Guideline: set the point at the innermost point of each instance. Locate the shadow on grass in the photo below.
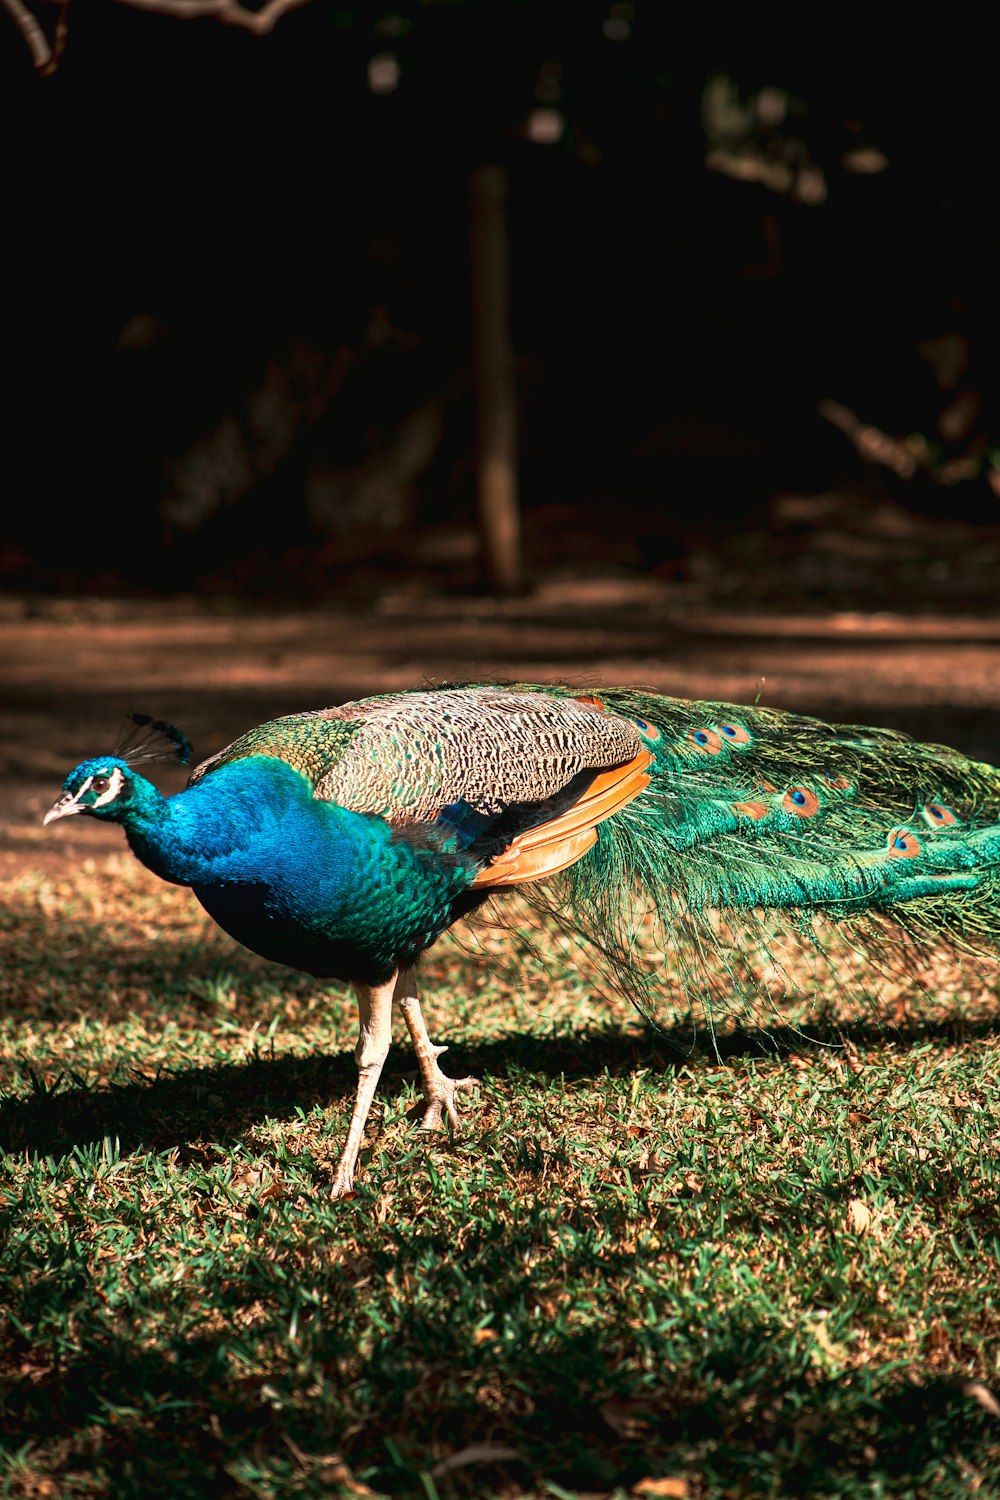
(220, 1103)
(59, 966)
(586, 1408)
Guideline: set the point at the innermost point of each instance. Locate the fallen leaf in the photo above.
(338, 1473)
(477, 1453)
(672, 1486)
(858, 1217)
(937, 1343)
(976, 1391)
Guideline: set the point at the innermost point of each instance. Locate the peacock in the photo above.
(344, 841)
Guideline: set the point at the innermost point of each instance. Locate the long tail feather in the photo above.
(763, 834)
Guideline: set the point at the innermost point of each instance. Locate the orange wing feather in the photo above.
(555, 845)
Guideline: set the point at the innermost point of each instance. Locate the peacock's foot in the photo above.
(439, 1096)
(343, 1180)
(439, 1091)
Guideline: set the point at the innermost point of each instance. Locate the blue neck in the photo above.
(301, 881)
(256, 816)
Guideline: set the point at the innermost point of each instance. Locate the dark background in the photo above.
(236, 315)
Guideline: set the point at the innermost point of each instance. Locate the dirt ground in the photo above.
(71, 669)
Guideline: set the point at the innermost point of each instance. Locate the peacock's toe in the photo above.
(439, 1102)
(342, 1185)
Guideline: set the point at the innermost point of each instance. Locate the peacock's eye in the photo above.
(100, 784)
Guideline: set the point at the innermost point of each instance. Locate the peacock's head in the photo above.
(102, 787)
(107, 786)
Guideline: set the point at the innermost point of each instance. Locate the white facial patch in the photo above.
(115, 780)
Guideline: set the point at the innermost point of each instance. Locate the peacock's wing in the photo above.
(487, 747)
(311, 742)
(530, 841)
(409, 756)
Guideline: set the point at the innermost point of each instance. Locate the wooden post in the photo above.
(493, 363)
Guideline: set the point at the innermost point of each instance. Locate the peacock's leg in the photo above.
(439, 1090)
(375, 1011)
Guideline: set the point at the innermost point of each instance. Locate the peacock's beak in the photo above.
(62, 807)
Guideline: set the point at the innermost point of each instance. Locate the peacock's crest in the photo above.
(144, 740)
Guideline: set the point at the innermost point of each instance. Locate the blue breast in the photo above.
(308, 883)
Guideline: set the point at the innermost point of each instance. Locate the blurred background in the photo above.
(749, 285)
(464, 339)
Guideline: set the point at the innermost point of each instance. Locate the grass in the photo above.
(639, 1269)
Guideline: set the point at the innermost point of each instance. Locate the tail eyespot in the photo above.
(937, 815)
(801, 802)
(706, 741)
(837, 783)
(903, 844)
(735, 734)
(647, 730)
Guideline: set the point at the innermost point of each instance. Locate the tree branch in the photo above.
(34, 36)
(45, 54)
(229, 12)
